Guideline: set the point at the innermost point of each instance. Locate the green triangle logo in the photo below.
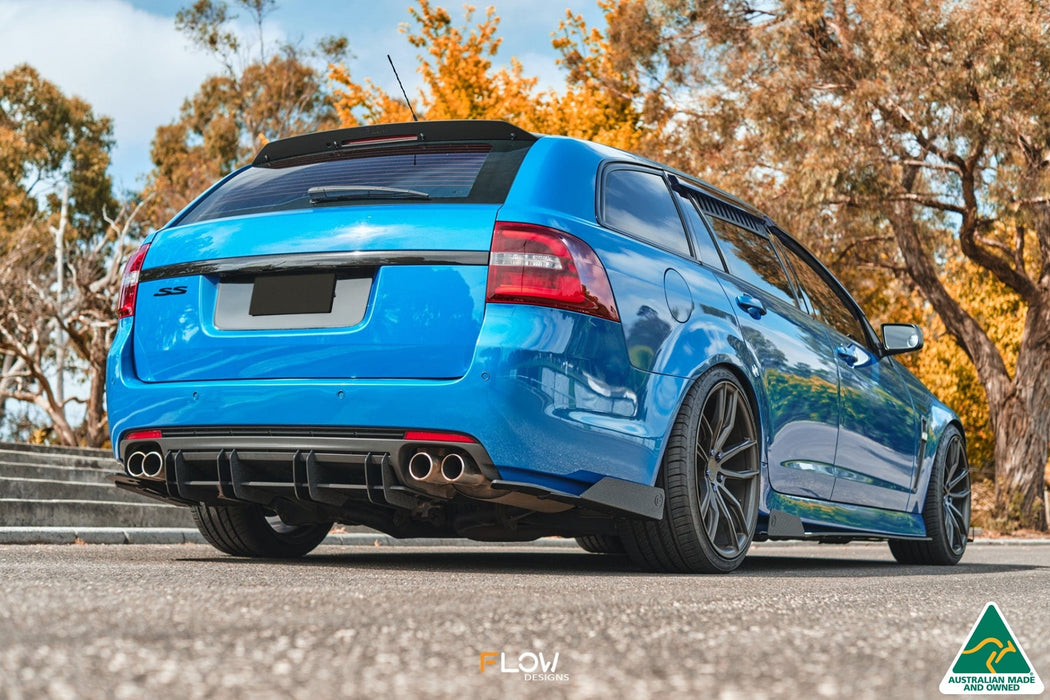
(991, 661)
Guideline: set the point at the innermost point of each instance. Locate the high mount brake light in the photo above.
(129, 283)
(531, 264)
(379, 141)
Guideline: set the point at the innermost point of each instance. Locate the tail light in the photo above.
(129, 283)
(537, 265)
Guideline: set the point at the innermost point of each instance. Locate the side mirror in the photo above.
(901, 337)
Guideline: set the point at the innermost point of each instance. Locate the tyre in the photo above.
(601, 544)
(711, 478)
(946, 510)
(254, 531)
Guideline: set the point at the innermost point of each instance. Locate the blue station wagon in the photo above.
(463, 329)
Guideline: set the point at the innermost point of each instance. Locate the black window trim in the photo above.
(599, 207)
(801, 298)
(684, 198)
(710, 202)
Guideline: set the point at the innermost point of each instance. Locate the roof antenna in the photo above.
(409, 103)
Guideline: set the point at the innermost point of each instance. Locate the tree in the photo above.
(896, 137)
(277, 92)
(29, 313)
(51, 144)
(48, 140)
(460, 82)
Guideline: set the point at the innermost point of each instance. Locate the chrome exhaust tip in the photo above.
(152, 464)
(461, 471)
(422, 467)
(453, 467)
(136, 460)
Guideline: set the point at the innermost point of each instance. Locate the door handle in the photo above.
(846, 354)
(754, 307)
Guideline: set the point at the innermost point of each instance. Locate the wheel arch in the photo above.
(942, 419)
(755, 394)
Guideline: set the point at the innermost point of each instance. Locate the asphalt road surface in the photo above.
(798, 621)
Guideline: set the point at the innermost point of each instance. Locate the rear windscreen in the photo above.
(451, 172)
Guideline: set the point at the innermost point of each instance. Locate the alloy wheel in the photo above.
(727, 464)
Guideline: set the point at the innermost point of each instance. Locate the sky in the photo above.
(125, 58)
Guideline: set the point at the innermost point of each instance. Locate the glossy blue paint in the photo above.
(535, 395)
(676, 294)
(800, 385)
(821, 517)
(878, 435)
(406, 332)
(557, 398)
(355, 227)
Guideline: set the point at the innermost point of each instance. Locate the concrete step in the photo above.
(98, 460)
(82, 513)
(56, 450)
(27, 470)
(53, 490)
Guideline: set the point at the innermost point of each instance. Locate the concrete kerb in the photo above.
(99, 535)
(165, 535)
(170, 535)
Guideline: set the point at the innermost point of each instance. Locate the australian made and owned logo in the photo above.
(991, 661)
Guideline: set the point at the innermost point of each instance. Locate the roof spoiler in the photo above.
(389, 134)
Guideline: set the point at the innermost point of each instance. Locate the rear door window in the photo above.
(638, 203)
(705, 242)
(750, 257)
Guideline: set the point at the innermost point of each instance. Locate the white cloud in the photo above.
(132, 65)
(128, 64)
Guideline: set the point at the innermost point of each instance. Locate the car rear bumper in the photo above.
(543, 411)
(329, 473)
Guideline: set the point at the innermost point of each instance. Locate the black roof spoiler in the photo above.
(390, 134)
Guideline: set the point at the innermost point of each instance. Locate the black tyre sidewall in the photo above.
(601, 544)
(937, 550)
(242, 530)
(940, 550)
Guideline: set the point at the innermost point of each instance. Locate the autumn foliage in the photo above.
(905, 142)
(460, 82)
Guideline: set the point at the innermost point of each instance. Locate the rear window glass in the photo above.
(638, 202)
(451, 172)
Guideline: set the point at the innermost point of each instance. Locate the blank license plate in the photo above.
(292, 294)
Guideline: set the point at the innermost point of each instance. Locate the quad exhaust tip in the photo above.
(422, 467)
(459, 470)
(453, 469)
(152, 464)
(147, 464)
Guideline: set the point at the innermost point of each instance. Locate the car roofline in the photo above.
(377, 135)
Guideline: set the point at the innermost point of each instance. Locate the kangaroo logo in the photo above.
(997, 654)
(991, 661)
